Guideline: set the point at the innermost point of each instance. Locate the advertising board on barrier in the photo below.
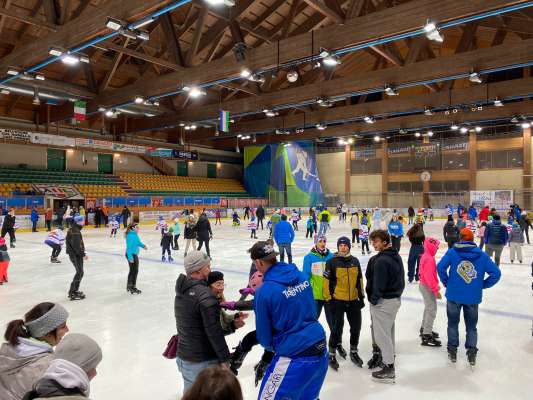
(15, 135)
(129, 148)
(58, 191)
(94, 143)
(159, 152)
(499, 199)
(24, 221)
(187, 155)
(55, 140)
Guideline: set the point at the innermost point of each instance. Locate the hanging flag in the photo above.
(224, 121)
(80, 110)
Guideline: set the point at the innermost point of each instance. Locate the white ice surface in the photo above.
(133, 330)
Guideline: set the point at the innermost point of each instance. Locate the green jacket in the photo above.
(313, 269)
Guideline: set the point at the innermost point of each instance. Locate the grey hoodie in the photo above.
(62, 379)
(21, 366)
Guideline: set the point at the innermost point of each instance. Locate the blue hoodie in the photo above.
(462, 272)
(133, 243)
(284, 233)
(34, 215)
(472, 213)
(396, 228)
(285, 312)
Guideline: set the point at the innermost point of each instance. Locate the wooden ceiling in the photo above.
(194, 44)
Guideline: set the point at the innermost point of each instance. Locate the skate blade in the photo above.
(389, 381)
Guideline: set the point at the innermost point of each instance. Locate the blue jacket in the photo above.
(133, 243)
(396, 228)
(462, 272)
(472, 212)
(285, 312)
(284, 233)
(34, 216)
(496, 233)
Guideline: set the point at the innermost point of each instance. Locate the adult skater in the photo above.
(284, 236)
(56, 240)
(462, 272)
(395, 229)
(201, 338)
(496, 237)
(356, 226)
(298, 340)
(60, 213)
(313, 268)
(34, 216)
(48, 216)
(416, 237)
(450, 231)
(125, 215)
(246, 213)
(260, 213)
(133, 244)
(8, 227)
(76, 253)
(472, 212)
(176, 232)
(324, 218)
(189, 233)
(385, 283)
(29, 346)
(343, 291)
(411, 214)
(525, 224)
(218, 221)
(204, 233)
(484, 214)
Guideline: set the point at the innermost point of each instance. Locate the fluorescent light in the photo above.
(246, 73)
(525, 124)
(369, 120)
(55, 51)
(85, 59)
(187, 127)
(390, 91)
(430, 133)
(149, 115)
(455, 127)
(377, 138)
(464, 129)
(320, 127)
(227, 3)
(474, 77)
(114, 24)
(331, 61)
(428, 111)
(12, 72)
(142, 35)
(70, 59)
(479, 128)
(196, 92)
(270, 113)
(417, 134)
(109, 113)
(193, 127)
(4, 91)
(40, 77)
(141, 23)
(498, 103)
(139, 100)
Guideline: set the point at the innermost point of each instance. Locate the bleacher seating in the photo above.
(101, 191)
(7, 189)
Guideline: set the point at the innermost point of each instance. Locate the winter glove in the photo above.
(246, 291)
(228, 305)
(362, 302)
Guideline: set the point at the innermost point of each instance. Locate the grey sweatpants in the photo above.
(494, 250)
(383, 316)
(430, 309)
(516, 250)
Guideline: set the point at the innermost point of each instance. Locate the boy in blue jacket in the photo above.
(462, 272)
(284, 236)
(286, 324)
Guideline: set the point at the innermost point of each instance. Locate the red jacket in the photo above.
(484, 214)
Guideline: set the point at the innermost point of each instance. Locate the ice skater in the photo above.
(133, 244)
(114, 227)
(364, 233)
(56, 240)
(252, 226)
(76, 252)
(176, 231)
(236, 221)
(8, 227)
(190, 233)
(161, 224)
(295, 217)
(166, 243)
(4, 261)
(310, 227)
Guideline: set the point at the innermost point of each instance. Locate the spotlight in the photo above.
(196, 92)
(193, 127)
(454, 127)
(428, 111)
(433, 33)
(390, 91)
(369, 120)
(498, 103)
(478, 128)
(270, 113)
(430, 133)
(350, 141)
(39, 77)
(430, 26)
(377, 138)
(341, 142)
(139, 100)
(292, 76)
(464, 129)
(114, 24)
(525, 125)
(320, 126)
(246, 73)
(328, 58)
(474, 77)
(417, 134)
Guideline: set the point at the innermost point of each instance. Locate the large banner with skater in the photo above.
(286, 173)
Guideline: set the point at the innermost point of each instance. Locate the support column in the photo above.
(472, 160)
(526, 179)
(425, 184)
(347, 173)
(385, 174)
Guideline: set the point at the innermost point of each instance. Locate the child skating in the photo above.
(114, 227)
(236, 221)
(429, 288)
(295, 217)
(76, 252)
(176, 231)
(310, 227)
(56, 240)
(166, 243)
(161, 225)
(364, 233)
(4, 261)
(252, 226)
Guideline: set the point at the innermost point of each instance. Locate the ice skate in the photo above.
(452, 354)
(170, 259)
(354, 356)
(260, 369)
(434, 334)
(333, 363)
(430, 341)
(341, 351)
(376, 359)
(134, 290)
(76, 296)
(237, 358)
(387, 374)
(471, 356)
(163, 259)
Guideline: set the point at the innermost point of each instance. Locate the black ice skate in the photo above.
(76, 296)
(333, 363)
(237, 358)
(452, 354)
(471, 355)
(354, 356)
(170, 259)
(376, 360)
(260, 369)
(386, 374)
(134, 290)
(430, 341)
(163, 259)
(342, 351)
(434, 334)
(54, 260)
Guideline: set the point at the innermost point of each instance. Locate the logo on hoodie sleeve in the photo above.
(467, 271)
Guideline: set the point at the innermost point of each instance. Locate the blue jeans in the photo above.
(294, 378)
(323, 228)
(414, 261)
(190, 370)
(470, 313)
(285, 247)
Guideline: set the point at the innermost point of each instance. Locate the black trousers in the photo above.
(253, 234)
(113, 232)
(56, 250)
(451, 243)
(338, 309)
(77, 261)
(355, 235)
(322, 304)
(48, 225)
(396, 242)
(249, 341)
(526, 231)
(34, 226)
(165, 248)
(125, 222)
(201, 242)
(295, 225)
(176, 244)
(11, 233)
(59, 221)
(364, 244)
(134, 271)
(309, 232)
(260, 221)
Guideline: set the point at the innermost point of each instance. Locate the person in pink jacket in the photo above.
(429, 287)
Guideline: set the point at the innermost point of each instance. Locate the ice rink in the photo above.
(133, 330)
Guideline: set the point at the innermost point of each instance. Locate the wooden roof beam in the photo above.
(325, 10)
(19, 16)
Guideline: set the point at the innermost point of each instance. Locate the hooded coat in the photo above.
(203, 228)
(21, 366)
(385, 276)
(285, 312)
(462, 271)
(428, 265)
(313, 269)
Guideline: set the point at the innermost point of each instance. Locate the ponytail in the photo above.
(15, 329)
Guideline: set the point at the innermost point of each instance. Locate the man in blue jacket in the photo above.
(472, 212)
(496, 237)
(462, 272)
(286, 324)
(34, 218)
(284, 236)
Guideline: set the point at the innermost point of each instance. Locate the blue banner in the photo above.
(144, 201)
(178, 201)
(168, 201)
(189, 201)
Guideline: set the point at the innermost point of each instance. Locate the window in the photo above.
(401, 164)
(404, 187)
(366, 166)
(448, 186)
(500, 159)
(455, 160)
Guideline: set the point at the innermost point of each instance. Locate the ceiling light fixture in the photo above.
(114, 24)
(433, 33)
(478, 128)
(474, 77)
(428, 111)
(320, 126)
(430, 133)
(292, 76)
(455, 127)
(341, 142)
(227, 3)
(464, 129)
(246, 73)
(417, 134)
(369, 120)
(377, 138)
(4, 91)
(139, 100)
(196, 92)
(328, 58)
(390, 91)
(525, 124)
(498, 103)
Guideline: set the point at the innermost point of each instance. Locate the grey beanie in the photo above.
(48, 322)
(195, 261)
(79, 349)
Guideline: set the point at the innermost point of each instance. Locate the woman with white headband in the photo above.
(28, 351)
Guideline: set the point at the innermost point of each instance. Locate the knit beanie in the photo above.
(79, 349)
(344, 240)
(48, 322)
(214, 276)
(195, 261)
(320, 237)
(467, 235)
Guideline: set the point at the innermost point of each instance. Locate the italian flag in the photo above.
(224, 121)
(80, 110)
